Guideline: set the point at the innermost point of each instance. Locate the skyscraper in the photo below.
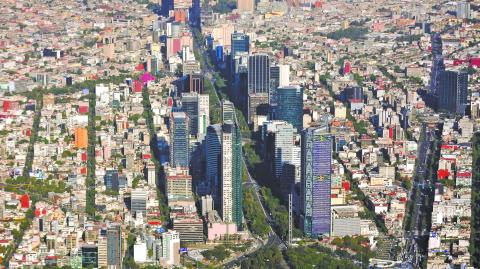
(258, 73)
(89, 256)
(170, 254)
(179, 140)
(213, 158)
(231, 171)
(240, 78)
(167, 5)
(190, 106)
(290, 106)
(138, 201)
(463, 10)
(284, 143)
(240, 43)
(114, 247)
(316, 181)
(203, 115)
(196, 83)
(195, 11)
(280, 75)
(246, 5)
(111, 181)
(453, 92)
(437, 63)
(228, 111)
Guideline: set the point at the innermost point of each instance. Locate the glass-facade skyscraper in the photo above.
(453, 92)
(213, 159)
(190, 106)
(258, 73)
(228, 111)
(179, 140)
(114, 246)
(231, 171)
(240, 43)
(290, 106)
(316, 181)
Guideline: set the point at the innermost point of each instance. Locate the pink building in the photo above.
(218, 230)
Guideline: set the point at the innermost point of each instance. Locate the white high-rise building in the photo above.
(227, 178)
(463, 10)
(170, 248)
(139, 201)
(284, 143)
(284, 75)
(203, 115)
(151, 175)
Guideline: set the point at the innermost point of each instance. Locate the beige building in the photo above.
(246, 5)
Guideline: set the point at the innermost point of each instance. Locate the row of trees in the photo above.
(90, 181)
(256, 220)
(265, 258)
(317, 256)
(475, 229)
(353, 33)
(147, 113)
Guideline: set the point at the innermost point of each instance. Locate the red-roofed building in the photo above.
(25, 201)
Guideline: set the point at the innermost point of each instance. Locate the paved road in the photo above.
(273, 238)
(418, 196)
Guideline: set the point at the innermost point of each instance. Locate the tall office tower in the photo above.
(179, 140)
(240, 78)
(111, 180)
(437, 65)
(151, 174)
(203, 115)
(246, 5)
(258, 73)
(290, 106)
(167, 5)
(284, 143)
(453, 92)
(280, 75)
(463, 10)
(114, 247)
(316, 181)
(240, 43)
(194, 16)
(89, 256)
(102, 251)
(196, 83)
(190, 106)
(231, 165)
(138, 201)
(170, 254)
(228, 111)
(213, 159)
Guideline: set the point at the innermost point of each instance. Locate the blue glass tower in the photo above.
(453, 92)
(240, 43)
(316, 181)
(290, 106)
(179, 140)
